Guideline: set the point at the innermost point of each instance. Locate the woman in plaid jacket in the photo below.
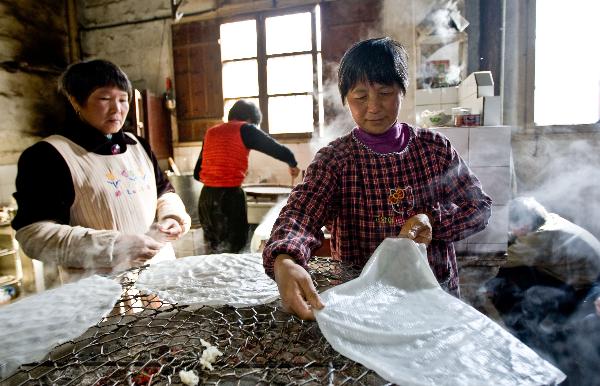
(383, 179)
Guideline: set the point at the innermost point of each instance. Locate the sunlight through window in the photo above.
(292, 86)
(287, 74)
(238, 40)
(567, 62)
(289, 33)
(290, 114)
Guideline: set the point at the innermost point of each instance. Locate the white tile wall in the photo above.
(489, 146)
(487, 152)
(495, 181)
(459, 138)
(185, 157)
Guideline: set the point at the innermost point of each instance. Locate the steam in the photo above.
(339, 121)
(568, 182)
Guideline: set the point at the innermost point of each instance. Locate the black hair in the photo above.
(526, 211)
(244, 110)
(379, 60)
(81, 79)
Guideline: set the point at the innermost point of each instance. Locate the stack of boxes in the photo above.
(475, 93)
(486, 149)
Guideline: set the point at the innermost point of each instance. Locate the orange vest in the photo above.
(224, 156)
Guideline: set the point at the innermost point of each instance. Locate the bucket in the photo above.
(189, 190)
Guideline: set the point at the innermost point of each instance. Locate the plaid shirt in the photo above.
(362, 197)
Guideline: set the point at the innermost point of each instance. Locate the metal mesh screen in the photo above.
(146, 341)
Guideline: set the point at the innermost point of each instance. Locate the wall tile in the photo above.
(495, 181)
(489, 146)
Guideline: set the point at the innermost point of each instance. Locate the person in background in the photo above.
(222, 166)
(94, 199)
(546, 287)
(551, 266)
(383, 179)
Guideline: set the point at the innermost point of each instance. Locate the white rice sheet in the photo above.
(31, 327)
(235, 279)
(396, 320)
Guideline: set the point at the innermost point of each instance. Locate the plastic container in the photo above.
(457, 115)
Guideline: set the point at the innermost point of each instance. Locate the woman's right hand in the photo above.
(298, 293)
(135, 250)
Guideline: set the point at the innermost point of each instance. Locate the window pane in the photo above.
(289, 33)
(289, 74)
(230, 102)
(318, 26)
(567, 67)
(291, 114)
(240, 79)
(238, 40)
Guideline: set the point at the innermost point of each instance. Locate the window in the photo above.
(275, 61)
(567, 63)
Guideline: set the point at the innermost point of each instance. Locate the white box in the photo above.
(477, 84)
(489, 107)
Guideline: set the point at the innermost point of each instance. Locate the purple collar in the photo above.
(394, 140)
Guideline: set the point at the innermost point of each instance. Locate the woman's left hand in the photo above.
(168, 229)
(417, 228)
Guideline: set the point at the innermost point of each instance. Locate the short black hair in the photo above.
(244, 110)
(378, 60)
(80, 79)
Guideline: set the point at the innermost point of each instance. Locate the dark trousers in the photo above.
(539, 310)
(224, 219)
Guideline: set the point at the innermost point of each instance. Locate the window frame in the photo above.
(262, 58)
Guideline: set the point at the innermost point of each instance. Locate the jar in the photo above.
(457, 115)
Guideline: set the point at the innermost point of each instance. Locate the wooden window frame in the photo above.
(262, 57)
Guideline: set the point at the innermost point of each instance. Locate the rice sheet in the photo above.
(396, 320)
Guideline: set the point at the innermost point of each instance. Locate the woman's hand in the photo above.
(134, 250)
(296, 288)
(417, 228)
(294, 171)
(168, 229)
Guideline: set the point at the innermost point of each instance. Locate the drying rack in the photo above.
(146, 341)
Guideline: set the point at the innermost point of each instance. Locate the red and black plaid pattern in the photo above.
(362, 197)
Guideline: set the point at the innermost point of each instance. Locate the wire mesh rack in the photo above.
(146, 341)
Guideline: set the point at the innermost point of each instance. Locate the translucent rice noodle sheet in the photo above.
(32, 326)
(396, 320)
(235, 279)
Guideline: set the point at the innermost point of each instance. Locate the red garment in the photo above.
(224, 155)
(363, 197)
